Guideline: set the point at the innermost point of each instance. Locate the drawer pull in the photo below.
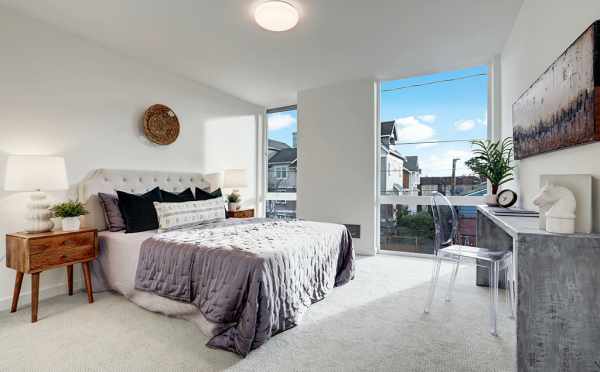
(68, 242)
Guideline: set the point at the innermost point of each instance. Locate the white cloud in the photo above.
(280, 121)
(411, 129)
(460, 154)
(440, 164)
(464, 125)
(427, 118)
(425, 145)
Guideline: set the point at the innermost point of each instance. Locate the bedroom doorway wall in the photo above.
(425, 127)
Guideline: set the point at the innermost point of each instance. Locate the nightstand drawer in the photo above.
(56, 256)
(245, 213)
(41, 245)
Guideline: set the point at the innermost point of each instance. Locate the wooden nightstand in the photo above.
(34, 253)
(246, 213)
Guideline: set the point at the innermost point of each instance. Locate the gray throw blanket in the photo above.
(253, 278)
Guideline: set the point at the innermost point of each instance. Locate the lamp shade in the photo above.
(35, 172)
(235, 178)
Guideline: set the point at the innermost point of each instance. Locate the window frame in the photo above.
(274, 196)
(279, 171)
(492, 132)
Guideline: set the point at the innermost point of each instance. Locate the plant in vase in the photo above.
(233, 201)
(492, 161)
(70, 212)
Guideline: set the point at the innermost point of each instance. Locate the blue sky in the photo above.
(282, 125)
(455, 110)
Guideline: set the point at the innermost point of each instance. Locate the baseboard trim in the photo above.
(45, 293)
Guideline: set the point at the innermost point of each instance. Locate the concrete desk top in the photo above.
(516, 226)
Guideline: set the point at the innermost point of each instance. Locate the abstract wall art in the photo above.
(562, 107)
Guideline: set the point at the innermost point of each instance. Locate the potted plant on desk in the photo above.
(492, 161)
(70, 213)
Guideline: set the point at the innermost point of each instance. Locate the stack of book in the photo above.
(515, 212)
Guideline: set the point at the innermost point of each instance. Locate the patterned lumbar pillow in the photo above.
(178, 215)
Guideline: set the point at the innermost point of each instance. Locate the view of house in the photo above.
(281, 178)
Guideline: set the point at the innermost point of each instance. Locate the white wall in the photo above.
(337, 127)
(542, 31)
(60, 94)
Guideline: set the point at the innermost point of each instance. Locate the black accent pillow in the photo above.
(204, 195)
(138, 210)
(184, 196)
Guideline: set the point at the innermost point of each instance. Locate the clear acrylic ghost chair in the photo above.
(445, 219)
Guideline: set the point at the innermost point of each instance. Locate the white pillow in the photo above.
(178, 215)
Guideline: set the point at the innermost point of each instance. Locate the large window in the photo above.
(428, 123)
(282, 163)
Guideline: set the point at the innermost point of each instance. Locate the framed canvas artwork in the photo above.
(562, 107)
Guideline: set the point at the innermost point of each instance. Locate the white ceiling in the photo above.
(216, 42)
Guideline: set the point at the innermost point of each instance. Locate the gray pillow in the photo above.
(112, 213)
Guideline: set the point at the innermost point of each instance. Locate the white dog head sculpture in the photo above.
(556, 201)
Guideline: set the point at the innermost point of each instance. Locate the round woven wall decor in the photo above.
(161, 125)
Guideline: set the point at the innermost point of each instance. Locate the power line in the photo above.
(421, 142)
(434, 82)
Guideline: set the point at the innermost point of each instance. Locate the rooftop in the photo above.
(286, 155)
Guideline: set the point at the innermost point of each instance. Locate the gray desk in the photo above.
(558, 292)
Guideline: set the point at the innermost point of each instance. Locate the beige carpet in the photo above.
(375, 323)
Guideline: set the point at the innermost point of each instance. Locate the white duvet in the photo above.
(115, 270)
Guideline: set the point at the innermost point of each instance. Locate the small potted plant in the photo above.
(234, 201)
(70, 213)
(492, 161)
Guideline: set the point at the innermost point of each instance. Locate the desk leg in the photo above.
(491, 237)
(35, 293)
(88, 281)
(17, 291)
(70, 279)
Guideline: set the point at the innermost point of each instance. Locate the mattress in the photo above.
(115, 270)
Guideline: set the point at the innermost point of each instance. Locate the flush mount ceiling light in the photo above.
(276, 16)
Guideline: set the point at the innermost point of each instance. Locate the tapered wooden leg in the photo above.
(35, 292)
(88, 281)
(70, 279)
(16, 292)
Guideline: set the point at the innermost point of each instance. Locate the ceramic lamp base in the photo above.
(38, 216)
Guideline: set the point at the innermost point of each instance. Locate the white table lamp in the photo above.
(235, 179)
(36, 173)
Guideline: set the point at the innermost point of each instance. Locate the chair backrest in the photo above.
(445, 220)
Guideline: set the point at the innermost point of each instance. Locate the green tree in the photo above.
(418, 224)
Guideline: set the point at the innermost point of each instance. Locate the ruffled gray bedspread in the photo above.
(253, 278)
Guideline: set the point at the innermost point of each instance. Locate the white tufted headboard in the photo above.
(133, 181)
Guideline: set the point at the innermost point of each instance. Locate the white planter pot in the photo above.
(232, 207)
(71, 223)
(492, 200)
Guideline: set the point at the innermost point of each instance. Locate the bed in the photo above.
(241, 281)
